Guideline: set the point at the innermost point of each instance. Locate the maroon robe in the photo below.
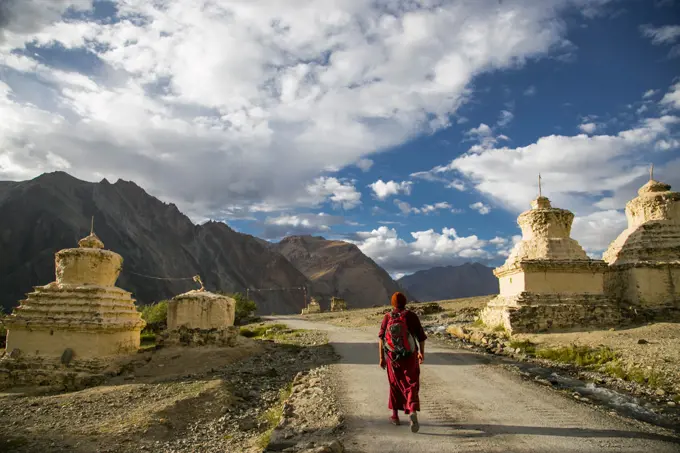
(404, 374)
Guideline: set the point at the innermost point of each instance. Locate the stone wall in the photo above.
(527, 313)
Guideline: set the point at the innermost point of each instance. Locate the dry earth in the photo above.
(181, 400)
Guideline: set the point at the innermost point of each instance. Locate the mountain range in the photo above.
(163, 250)
(451, 282)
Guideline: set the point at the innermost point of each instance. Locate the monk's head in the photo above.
(398, 300)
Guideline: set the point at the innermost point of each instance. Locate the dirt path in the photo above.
(470, 405)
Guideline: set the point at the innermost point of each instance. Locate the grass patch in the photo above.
(276, 332)
(273, 415)
(478, 323)
(634, 374)
(525, 346)
(578, 355)
(147, 339)
(263, 331)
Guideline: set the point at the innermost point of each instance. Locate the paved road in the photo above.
(469, 405)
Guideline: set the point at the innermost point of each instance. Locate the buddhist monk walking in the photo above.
(402, 357)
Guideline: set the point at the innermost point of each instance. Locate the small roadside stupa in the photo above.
(82, 313)
(548, 281)
(644, 260)
(201, 309)
(312, 307)
(199, 318)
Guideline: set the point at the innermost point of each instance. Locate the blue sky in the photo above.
(415, 129)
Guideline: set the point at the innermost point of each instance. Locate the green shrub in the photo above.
(156, 316)
(578, 355)
(526, 346)
(245, 308)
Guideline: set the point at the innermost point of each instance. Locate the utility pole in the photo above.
(304, 292)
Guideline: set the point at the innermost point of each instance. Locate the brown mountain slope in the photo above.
(340, 269)
(51, 212)
(451, 282)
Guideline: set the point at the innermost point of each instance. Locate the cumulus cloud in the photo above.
(574, 168)
(505, 117)
(595, 231)
(426, 209)
(591, 175)
(364, 164)
(588, 128)
(427, 249)
(299, 224)
(672, 98)
(339, 193)
(383, 190)
(242, 103)
(649, 93)
(666, 34)
(530, 91)
(481, 208)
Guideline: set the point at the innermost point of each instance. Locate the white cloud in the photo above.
(299, 224)
(666, 34)
(340, 193)
(595, 231)
(649, 93)
(456, 184)
(574, 168)
(588, 128)
(428, 249)
(481, 208)
(505, 117)
(484, 136)
(364, 164)
(383, 190)
(530, 91)
(240, 103)
(672, 97)
(594, 176)
(426, 209)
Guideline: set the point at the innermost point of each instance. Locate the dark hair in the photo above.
(398, 300)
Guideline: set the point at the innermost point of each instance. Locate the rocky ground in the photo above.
(190, 399)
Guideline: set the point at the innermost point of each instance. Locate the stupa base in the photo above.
(89, 344)
(529, 313)
(50, 375)
(183, 336)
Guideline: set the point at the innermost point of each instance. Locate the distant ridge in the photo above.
(338, 268)
(451, 282)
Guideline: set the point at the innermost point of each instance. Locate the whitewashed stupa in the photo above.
(81, 311)
(645, 259)
(548, 281)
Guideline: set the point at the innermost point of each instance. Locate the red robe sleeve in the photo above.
(383, 326)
